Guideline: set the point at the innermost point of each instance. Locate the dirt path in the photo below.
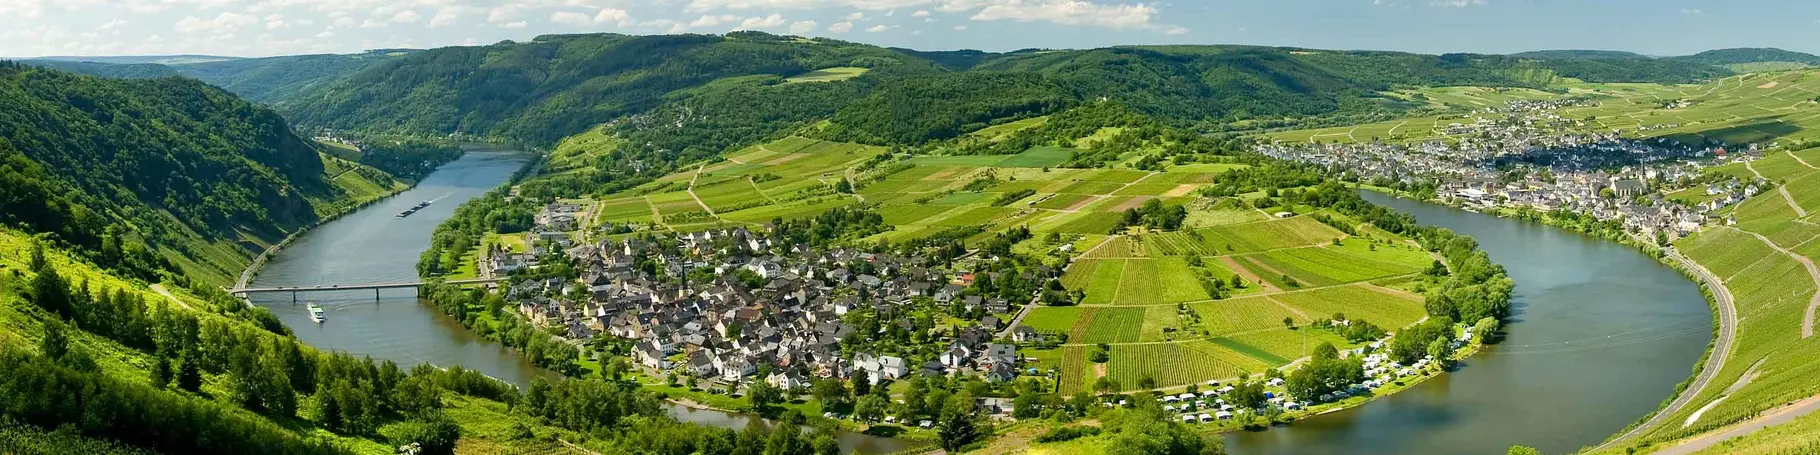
(1293, 310)
(656, 216)
(1801, 212)
(159, 288)
(1715, 361)
(1797, 158)
(1753, 170)
(1766, 420)
(704, 205)
(1248, 275)
(1813, 272)
(576, 448)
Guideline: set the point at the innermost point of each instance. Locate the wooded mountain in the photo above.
(264, 80)
(1722, 57)
(558, 85)
(152, 174)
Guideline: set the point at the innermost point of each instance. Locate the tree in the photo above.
(843, 186)
(54, 345)
(189, 373)
(51, 292)
(959, 425)
(1523, 450)
(861, 384)
(1288, 322)
(870, 408)
(830, 392)
(763, 394)
(1326, 351)
(161, 372)
(434, 435)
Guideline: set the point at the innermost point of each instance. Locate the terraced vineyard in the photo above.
(1143, 291)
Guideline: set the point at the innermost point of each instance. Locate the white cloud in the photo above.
(856, 16)
(920, 13)
(518, 24)
(343, 22)
(960, 27)
(1691, 11)
(802, 27)
(760, 23)
(113, 24)
(276, 25)
(447, 16)
(1456, 3)
(617, 17)
(1070, 12)
(406, 17)
(878, 28)
(326, 34)
(224, 23)
(698, 6)
(709, 20)
(570, 18)
(840, 27)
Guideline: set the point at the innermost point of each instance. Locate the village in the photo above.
(723, 305)
(1534, 161)
(723, 309)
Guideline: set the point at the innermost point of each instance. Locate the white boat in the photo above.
(316, 314)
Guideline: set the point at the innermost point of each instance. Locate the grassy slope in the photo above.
(21, 325)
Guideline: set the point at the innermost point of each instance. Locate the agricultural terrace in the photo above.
(1765, 261)
(1743, 109)
(1146, 297)
(1147, 294)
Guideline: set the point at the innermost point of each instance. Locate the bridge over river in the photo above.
(247, 291)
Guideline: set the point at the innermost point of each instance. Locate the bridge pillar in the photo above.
(375, 294)
(293, 297)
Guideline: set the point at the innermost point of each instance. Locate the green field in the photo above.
(1138, 287)
(828, 75)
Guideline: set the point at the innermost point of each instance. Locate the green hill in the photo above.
(275, 79)
(1746, 60)
(1581, 54)
(161, 174)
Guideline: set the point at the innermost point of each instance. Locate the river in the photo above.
(1600, 335)
(372, 245)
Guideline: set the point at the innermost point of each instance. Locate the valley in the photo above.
(761, 244)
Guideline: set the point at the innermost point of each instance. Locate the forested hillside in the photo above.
(1745, 56)
(160, 174)
(557, 85)
(274, 79)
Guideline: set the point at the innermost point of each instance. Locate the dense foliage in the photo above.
(277, 79)
(122, 167)
(410, 158)
(1722, 57)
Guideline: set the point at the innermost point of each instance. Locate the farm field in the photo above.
(828, 75)
(1141, 296)
(1743, 109)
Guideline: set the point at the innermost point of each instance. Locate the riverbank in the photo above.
(253, 268)
(1713, 289)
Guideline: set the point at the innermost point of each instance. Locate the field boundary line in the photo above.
(1813, 273)
(1791, 154)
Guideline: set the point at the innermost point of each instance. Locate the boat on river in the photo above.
(414, 209)
(316, 313)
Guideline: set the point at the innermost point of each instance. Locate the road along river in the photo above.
(1600, 335)
(373, 245)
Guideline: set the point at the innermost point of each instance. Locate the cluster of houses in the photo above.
(789, 321)
(1601, 174)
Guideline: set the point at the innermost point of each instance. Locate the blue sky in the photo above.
(282, 27)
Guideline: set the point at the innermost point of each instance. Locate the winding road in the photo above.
(1723, 344)
(1768, 419)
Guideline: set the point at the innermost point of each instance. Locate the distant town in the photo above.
(1536, 161)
